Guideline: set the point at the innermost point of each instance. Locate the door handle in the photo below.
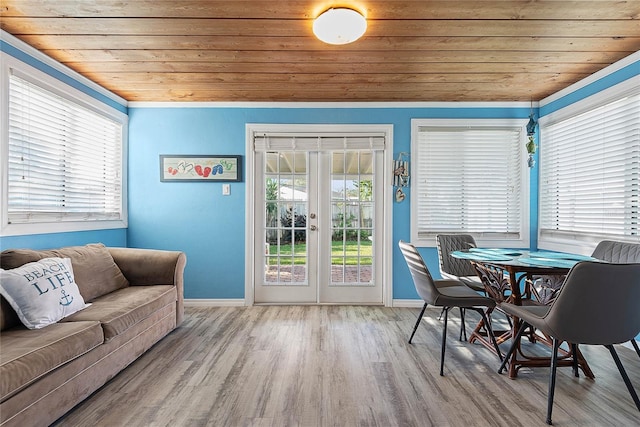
(313, 228)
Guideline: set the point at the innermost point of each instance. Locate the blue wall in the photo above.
(209, 227)
(197, 219)
(116, 237)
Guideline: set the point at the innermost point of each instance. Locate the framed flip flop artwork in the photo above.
(200, 168)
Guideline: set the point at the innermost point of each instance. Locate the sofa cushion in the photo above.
(41, 292)
(28, 354)
(121, 309)
(95, 271)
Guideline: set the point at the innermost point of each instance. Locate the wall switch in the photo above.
(226, 189)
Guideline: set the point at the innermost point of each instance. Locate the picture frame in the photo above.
(200, 168)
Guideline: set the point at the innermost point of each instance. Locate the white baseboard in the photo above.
(409, 303)
(228, 302)
(223, 302)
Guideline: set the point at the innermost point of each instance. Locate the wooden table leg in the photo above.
(565, 357)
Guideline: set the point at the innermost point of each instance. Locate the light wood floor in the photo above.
(343, 366)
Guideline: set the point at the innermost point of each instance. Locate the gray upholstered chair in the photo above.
(455, 268)
(571, 316)
(459, 269)
(619, 252)
(443, 293)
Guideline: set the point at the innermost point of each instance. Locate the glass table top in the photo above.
(531, 258)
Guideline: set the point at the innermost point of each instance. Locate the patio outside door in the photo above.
(315, 223)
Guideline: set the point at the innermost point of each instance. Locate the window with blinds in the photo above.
(590, 171)
(469, 177)
(64, 160)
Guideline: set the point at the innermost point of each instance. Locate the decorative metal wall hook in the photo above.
(401, 170)
(401, 175)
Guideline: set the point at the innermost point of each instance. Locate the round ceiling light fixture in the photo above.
(339, 26)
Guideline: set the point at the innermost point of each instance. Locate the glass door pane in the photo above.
(352, 218)
(286, 208)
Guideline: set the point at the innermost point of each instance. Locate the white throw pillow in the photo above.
(42, 292)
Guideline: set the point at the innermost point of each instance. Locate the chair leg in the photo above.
(634, 343)
(444, 341)
(507, 356)
(415, 328)
(463, 329)
(624, 375)
(552, 378)
(574, 350)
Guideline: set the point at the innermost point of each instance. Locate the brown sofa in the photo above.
(136, 298)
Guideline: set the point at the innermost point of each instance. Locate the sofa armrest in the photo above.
(153, 267)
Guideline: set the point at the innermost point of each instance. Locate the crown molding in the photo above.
(624, 62)
(39, 56)
(346, 105)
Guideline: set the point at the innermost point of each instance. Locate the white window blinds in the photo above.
(327, 142)
(64, 160)
(469, 179)
(590, 172)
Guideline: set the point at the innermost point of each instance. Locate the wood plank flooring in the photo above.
(343, 366)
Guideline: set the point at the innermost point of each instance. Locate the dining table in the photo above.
(511, 275)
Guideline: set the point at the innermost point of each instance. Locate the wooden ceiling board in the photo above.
(264, 50)
(295, 9)
(377, 44)
(302, 28)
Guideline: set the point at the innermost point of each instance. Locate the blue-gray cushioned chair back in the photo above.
(422, 279)
(617, 252)
(448, 243)
(597, 304)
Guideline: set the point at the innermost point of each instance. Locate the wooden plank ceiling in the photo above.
(264, 50)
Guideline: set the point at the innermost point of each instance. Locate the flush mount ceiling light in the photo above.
(339, 26)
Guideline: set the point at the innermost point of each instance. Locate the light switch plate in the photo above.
(226, 189)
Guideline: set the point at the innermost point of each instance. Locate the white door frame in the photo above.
(387, 232)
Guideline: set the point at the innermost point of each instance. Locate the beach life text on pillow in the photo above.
(42, 292)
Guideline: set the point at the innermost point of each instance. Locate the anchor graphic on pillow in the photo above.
(66, 299)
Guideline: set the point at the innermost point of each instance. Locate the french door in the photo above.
(316, 213)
